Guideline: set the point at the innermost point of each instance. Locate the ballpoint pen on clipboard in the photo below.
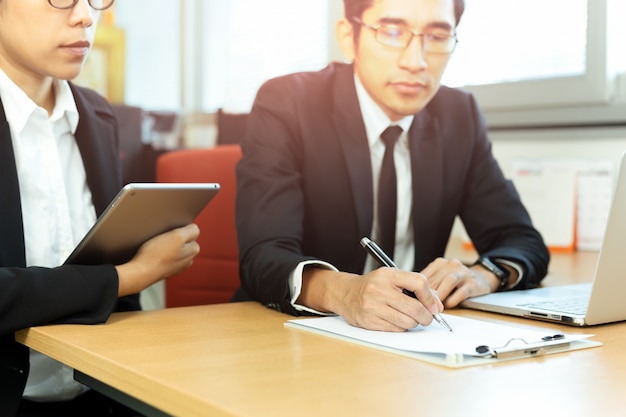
(374, 250)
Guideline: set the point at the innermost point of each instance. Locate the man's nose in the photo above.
(413, 56)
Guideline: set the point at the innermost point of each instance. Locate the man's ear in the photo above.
(345, 38)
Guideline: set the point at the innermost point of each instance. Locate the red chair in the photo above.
(214, 275)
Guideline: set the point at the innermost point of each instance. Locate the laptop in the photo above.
(139, 212)
(598, 302)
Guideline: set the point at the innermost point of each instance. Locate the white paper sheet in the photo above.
(467, 336)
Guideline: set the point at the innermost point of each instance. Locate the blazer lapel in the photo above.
(12, 250)
(96, 129)
(353, 140)
(428, 180)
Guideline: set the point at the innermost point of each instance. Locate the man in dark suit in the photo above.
(59, 169)
(315, 171)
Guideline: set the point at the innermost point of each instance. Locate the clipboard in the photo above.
(473, 342)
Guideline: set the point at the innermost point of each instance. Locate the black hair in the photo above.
(355, 8)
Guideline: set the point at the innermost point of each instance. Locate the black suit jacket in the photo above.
(67, 294)
(305, 184)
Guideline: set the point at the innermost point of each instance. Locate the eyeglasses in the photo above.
(68, 4)
(400, 37)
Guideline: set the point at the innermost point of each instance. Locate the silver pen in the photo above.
(373, 249)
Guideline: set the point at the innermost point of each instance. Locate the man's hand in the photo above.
(373, 301)
(456, 282)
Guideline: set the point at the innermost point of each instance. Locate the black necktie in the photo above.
(387, 192)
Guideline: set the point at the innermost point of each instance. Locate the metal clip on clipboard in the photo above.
(538, 348)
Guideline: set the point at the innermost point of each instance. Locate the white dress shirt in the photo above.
(57, 209)
(376, 121)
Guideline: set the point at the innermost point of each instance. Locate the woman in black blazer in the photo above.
(43, 43)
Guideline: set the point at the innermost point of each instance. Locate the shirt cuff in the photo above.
(517, 267)
(295, 285)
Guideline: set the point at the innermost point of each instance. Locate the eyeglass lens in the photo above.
(68, 4)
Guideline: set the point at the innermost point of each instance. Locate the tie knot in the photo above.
(391, 135)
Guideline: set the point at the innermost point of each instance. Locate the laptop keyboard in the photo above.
(573, 305)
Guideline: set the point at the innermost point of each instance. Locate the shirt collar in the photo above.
(375, 119)
(65, 104)
(19, 107)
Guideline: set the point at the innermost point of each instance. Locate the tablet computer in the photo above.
(139, 212)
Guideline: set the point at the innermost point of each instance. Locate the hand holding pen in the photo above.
(382, 258)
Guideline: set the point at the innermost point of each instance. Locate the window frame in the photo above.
(592, 98)
(596, 98)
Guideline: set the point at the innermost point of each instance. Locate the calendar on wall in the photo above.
(568, 200)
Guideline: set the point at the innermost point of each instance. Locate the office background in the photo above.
(549, 74)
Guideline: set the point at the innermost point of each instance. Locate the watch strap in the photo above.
(501, 273)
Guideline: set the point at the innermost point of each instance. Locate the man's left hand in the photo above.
(456, 282)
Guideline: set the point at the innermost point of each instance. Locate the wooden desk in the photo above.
(239, 360)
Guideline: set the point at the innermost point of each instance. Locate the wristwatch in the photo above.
(501, 273)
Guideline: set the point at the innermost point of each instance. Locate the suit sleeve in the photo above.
(494, 216)
(68, 294)
(270, 203)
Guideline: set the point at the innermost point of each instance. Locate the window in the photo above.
(202, 55)
(532, 62)
(540, 46)
(523, 58)
(246, 42)
(153, 61)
